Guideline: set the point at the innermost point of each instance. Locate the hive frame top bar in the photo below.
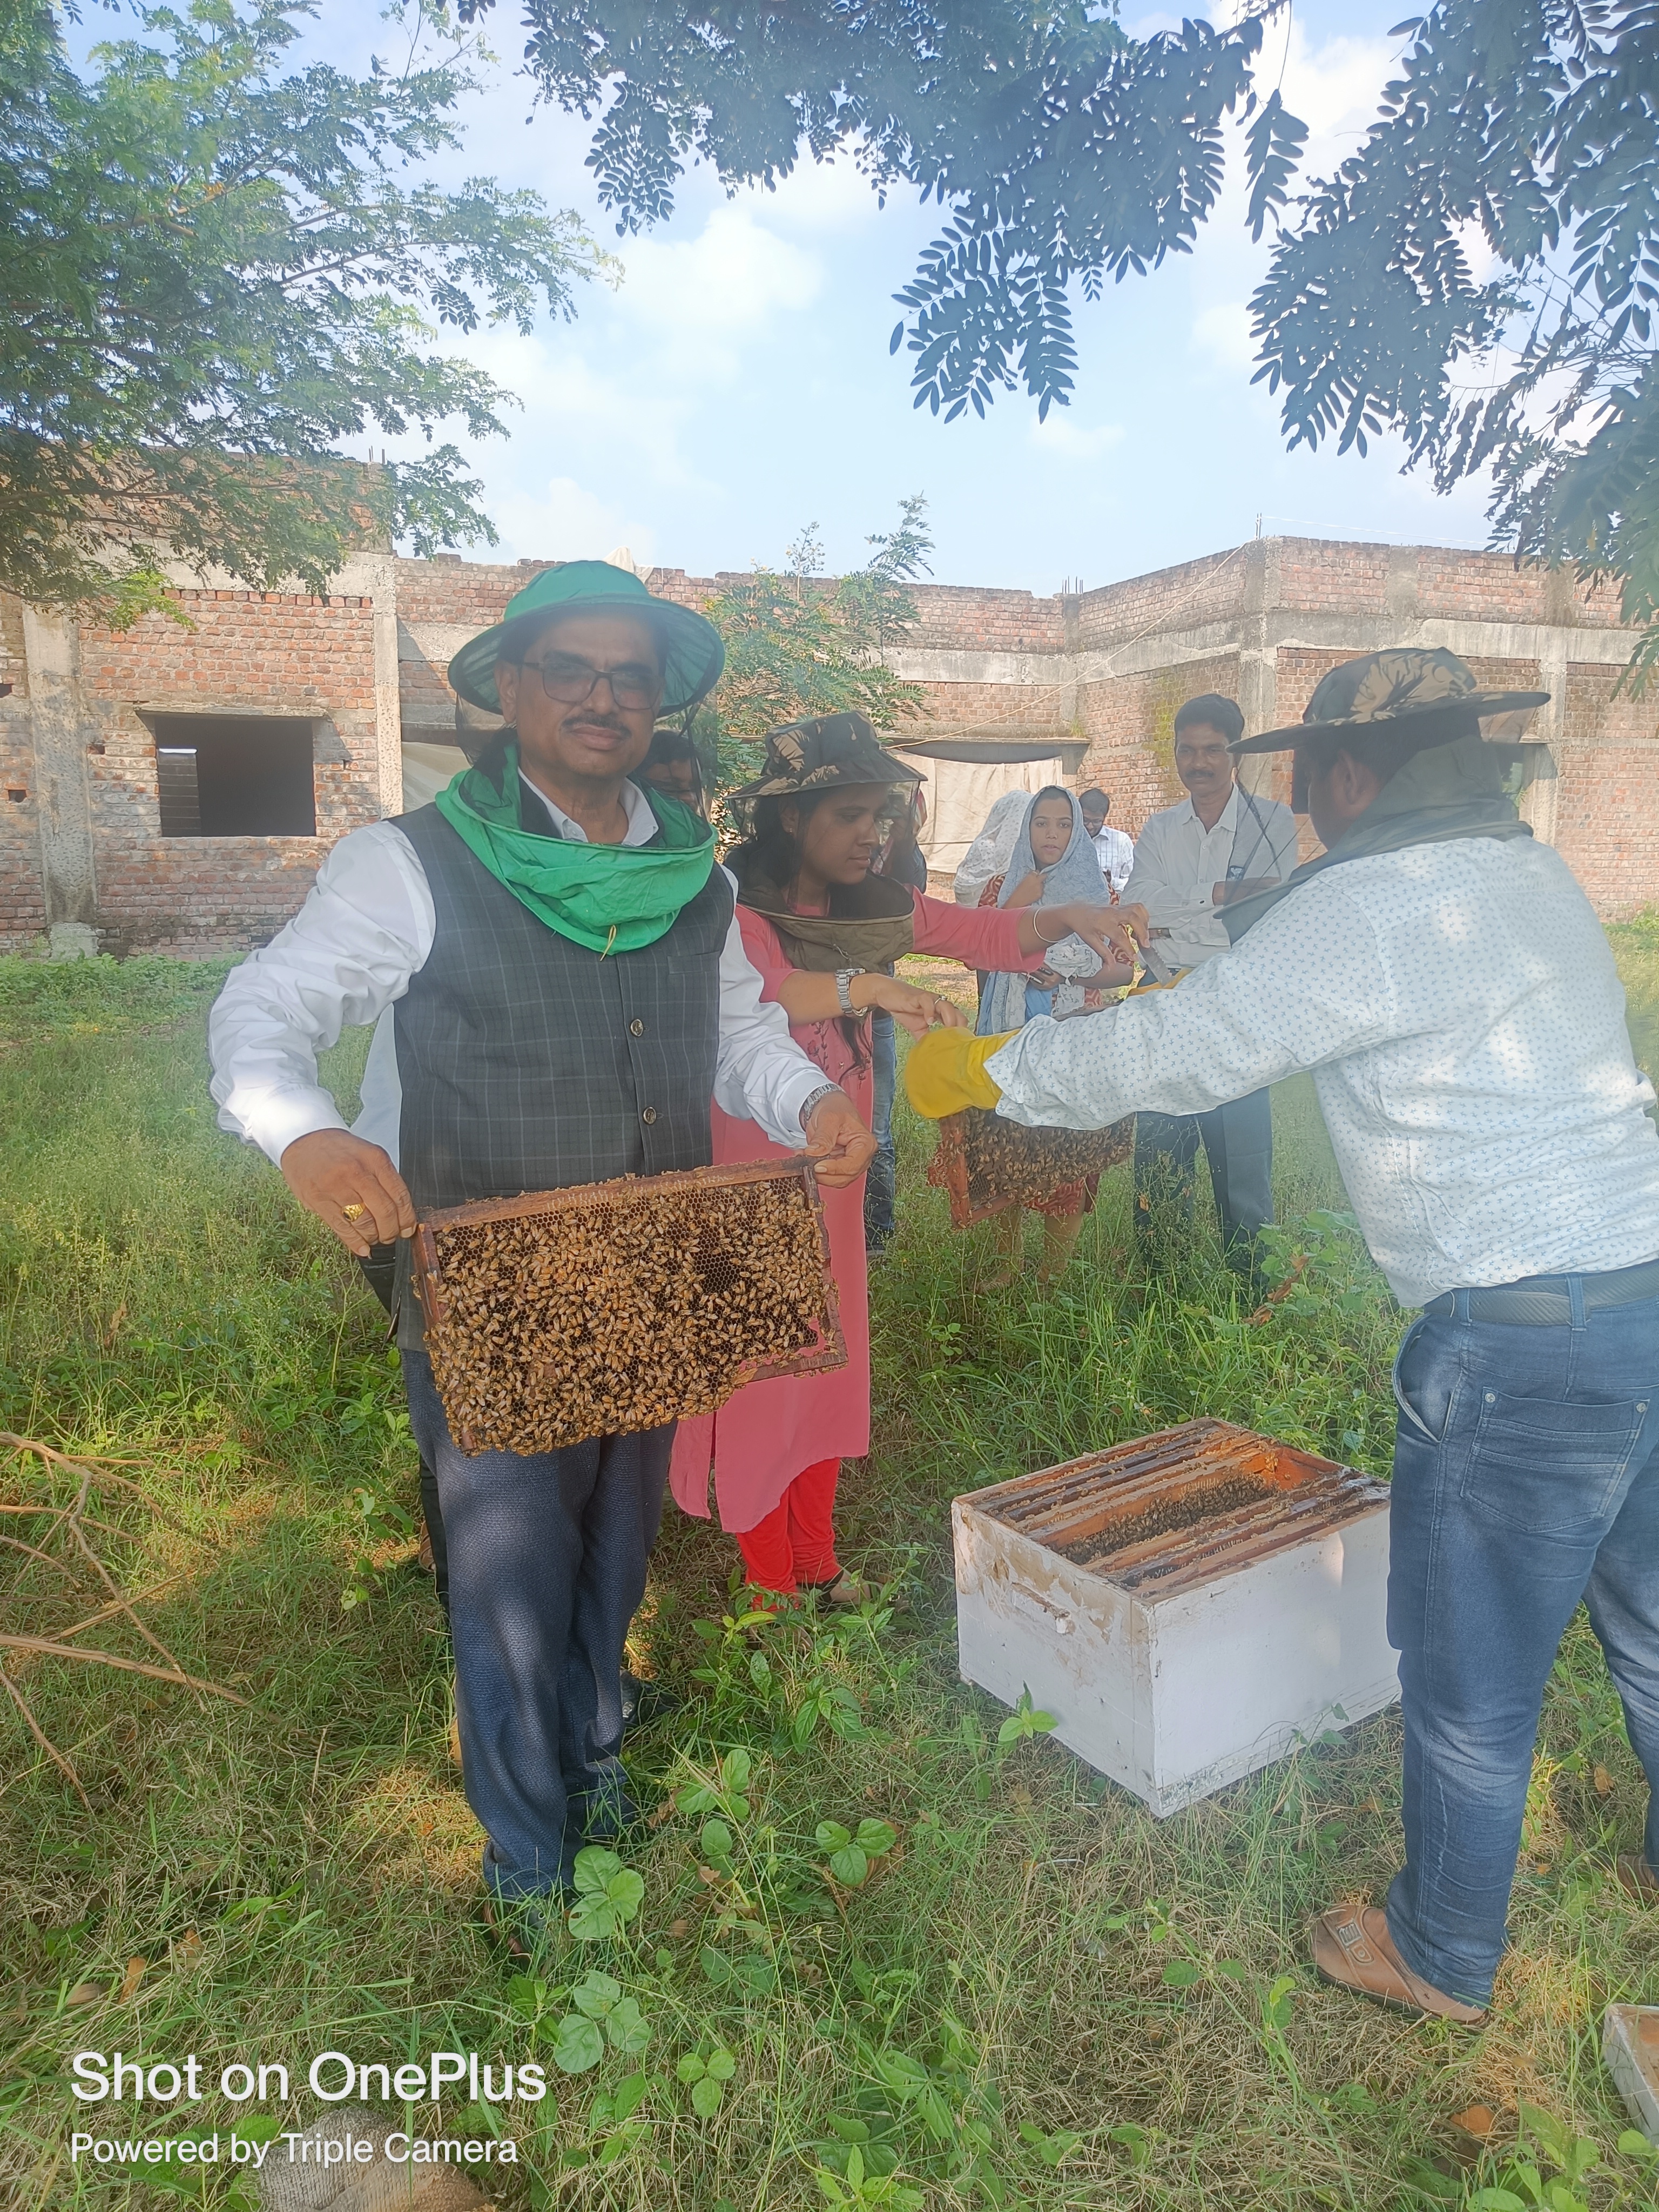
(529, 1202)
(1065, 1508)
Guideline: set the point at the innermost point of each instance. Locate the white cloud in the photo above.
(584, 407)
(569, 523)
(733, 277)
(1069, 440)
(1223, 332)
(825, 197)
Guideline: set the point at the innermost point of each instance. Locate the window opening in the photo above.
(224, 775)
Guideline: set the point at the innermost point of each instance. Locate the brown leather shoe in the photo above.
(1353, 1949)
(1637, 1878)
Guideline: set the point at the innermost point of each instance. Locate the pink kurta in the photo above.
(761, 1439)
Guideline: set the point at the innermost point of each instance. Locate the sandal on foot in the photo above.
(1353, 1950)
(846, 1589)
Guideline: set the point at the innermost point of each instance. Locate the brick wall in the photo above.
(1108, 667)
(244, 652)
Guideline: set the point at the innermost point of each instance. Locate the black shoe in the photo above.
(644, 1703)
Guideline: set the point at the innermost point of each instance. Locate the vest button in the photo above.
(636, 1027)
(648, 1115)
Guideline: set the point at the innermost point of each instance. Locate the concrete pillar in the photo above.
(375, 574)
(1539, 799)
(61, 730)
(1258, 659)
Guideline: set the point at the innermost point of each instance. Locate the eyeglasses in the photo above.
(568, 681)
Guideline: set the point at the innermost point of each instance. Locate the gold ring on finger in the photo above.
(354, 1212)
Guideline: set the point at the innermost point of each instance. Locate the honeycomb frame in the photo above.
(976, 1188)
(483, 1296)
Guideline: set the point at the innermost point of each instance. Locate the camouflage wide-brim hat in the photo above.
(1398, 685)
(688, 643)
(828, 749)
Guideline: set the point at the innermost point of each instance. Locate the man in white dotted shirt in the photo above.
(1445, 980)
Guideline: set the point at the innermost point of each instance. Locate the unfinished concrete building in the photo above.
(175, 786)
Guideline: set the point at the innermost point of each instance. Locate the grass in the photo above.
(1040, 1997)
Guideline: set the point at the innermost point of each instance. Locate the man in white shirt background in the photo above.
(1447, 983)
(1220, 844)
(1116, 850)
(551, 956)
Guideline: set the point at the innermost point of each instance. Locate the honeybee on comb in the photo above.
(986, 1161)
(617, 1307)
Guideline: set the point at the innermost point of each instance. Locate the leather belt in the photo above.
(1544, 1302)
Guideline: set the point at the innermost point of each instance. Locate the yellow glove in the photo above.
(946, 1072)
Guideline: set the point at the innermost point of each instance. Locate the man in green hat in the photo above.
(1447, 983)
(561, 990)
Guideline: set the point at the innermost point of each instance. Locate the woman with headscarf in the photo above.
(1053, 863)
(821, 928)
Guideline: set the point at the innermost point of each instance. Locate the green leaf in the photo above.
(595, 1869)
(627, 2097)
(690, 2068)
(705, 2096)
(1181, 1974)
(577, 2046)
(714, 1842)
(876, 1838)
(850, 1866)
(628, 2028)
(722, 2064)
(832, 1837)
(609, 1895)
(595, 1994)
(716, 1967)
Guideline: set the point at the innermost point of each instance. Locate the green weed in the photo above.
(876, 1942)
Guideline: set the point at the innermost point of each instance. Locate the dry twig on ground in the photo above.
(74, 1568)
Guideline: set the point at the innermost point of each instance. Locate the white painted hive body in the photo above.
(1188, 1606)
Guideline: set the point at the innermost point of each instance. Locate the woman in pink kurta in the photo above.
(820, 930)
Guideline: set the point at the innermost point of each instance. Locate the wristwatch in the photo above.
(844, 988)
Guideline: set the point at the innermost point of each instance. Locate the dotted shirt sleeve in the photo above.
(1308, 984)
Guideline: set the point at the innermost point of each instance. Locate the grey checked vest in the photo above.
(528, 1062)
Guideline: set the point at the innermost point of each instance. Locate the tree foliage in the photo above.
(799, 644)
(1526, 136)
(1058, 147)
(214, 269)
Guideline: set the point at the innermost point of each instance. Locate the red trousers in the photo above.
(795, 1544)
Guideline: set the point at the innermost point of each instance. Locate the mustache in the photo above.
(581, 720)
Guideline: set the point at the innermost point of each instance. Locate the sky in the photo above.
(736, 384)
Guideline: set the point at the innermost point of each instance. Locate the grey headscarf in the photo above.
(1076, 875)
(989, 854)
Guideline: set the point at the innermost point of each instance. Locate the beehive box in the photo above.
(1630, 2045)
(985, 1163)
(613, 1307)
(1188, 1606)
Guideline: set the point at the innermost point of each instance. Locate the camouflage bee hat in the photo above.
(1398, 685)
(826, 749)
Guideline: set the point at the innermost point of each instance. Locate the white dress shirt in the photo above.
(346, 958)
(1117, 856)
(1459, 1007)
(1178, 863)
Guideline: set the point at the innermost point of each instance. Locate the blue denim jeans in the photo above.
(881, 1178)
(547, 1556)
(1526, 1477)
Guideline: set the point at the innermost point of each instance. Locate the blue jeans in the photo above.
(547, 1556)
(1526, 1477)
(881, 1178)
